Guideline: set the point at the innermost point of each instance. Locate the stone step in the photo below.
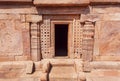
(63, 73)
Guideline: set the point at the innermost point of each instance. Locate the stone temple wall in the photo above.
(20, 59)
(107, 32)
(15, 30)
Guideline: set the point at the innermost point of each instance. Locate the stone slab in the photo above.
(105, 9)
(33, 18)
(29, 68)
(109, 35)
(60, 2)
(105, 72)
(103, 78)
(106, 58)
(63, 73)
(15, 0)
(105, 1)
(111, 17)
(105, 65)
(22, 9)
(63, 10)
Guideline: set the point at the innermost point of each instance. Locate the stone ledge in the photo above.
(61, 2)
(73, 2)
(15, 0)
(109, 78)
(33, 18)
(105, 65)
(105, 1)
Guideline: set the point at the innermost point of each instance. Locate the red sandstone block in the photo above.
(111, 73)
(105, 73)
(6, 58)
(21, 58)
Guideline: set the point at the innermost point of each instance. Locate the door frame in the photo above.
(70, 36)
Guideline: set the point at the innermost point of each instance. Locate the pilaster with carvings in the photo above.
(34, 21)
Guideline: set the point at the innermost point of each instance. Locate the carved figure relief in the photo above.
(10, 39)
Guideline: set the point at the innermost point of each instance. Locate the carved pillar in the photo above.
(34, 21)
(35, 41)
(88, 40)
(88, 44)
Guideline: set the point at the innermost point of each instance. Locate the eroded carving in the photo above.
(10, 39)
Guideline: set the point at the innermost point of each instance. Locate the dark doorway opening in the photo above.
(61, 39)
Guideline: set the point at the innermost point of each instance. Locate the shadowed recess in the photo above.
(61, 38)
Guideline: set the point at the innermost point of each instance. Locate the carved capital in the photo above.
(89, 18)
(33, 18)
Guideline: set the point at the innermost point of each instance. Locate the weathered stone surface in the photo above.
(63, 10)
(10, 38)
(90, 17)
(105, 65)
(38, 66)
(107, 58)
(105, 9)
(14, 38)
(62, 62)
(11, 69)
(61, 2)
(105, 1)
(33, 18)
(21, 9)
(63, 73)
(109, 38)
(15, 0)
(111, 17)
(27, 33)
(45, 66)
(105, 72)
(103, 79)
(81, 76)
(29, 68)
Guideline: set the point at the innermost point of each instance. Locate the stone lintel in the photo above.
(33, 18)
(61, 2)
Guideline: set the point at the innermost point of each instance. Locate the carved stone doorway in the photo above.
(61, 40)
(73, 36)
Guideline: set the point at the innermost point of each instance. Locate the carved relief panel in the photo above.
(14, 37)
(10, 38)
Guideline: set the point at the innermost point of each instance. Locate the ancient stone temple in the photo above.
(59, 40)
